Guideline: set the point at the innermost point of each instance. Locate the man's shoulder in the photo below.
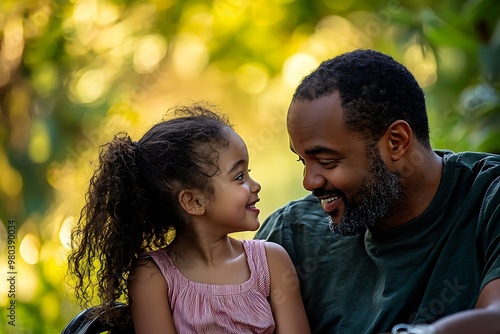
(471, 160)
(475, 175)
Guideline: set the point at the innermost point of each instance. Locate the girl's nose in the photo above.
(255, 187)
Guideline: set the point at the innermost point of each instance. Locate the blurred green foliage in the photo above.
(74, 72)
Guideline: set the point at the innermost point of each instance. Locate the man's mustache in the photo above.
(324, 192)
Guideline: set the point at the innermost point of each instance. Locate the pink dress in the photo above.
(205, 308)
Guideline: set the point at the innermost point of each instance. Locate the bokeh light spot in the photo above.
(85, 10)
(65, 232)
(90, 86)
(149, 52)
(13, 40)
(421, 62)
(45, 78)
(190, 55)
(110, 37)
(29, 249)
(298, 66)
(107, 13)
(252, 78)
(39, 145)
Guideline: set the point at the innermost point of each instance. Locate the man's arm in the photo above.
(484, 319)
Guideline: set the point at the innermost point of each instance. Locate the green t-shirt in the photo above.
(430, 267)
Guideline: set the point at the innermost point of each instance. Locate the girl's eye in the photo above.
(301, 160)
(240, 177)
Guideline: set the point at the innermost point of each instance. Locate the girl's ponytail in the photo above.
(110, 231)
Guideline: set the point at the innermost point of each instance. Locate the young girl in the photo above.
(156, 225)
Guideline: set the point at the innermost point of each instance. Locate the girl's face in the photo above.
(232, 206)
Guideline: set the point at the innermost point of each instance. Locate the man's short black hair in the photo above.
(375, 91)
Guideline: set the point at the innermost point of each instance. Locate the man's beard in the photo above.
(380, 191)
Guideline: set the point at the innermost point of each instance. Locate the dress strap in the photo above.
(257, 262)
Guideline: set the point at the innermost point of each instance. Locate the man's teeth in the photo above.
(329, 200)
(252, 206)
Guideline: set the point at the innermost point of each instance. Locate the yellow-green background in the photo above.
(73, 73)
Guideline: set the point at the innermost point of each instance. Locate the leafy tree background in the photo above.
(73, 73)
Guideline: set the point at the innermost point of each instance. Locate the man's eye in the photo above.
(328, 163)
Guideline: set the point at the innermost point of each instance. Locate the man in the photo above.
(416, 232)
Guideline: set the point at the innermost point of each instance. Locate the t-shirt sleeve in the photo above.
(490, 217)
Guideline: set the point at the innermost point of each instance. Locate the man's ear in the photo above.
(396, 140)
(192, 201)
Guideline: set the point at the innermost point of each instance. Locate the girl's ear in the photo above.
(192, 201)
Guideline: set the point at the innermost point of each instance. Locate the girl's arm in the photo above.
(286, 301)
(149, 300)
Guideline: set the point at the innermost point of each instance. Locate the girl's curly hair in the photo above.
(131, 204)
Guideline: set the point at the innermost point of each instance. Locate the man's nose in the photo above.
(312, 179)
